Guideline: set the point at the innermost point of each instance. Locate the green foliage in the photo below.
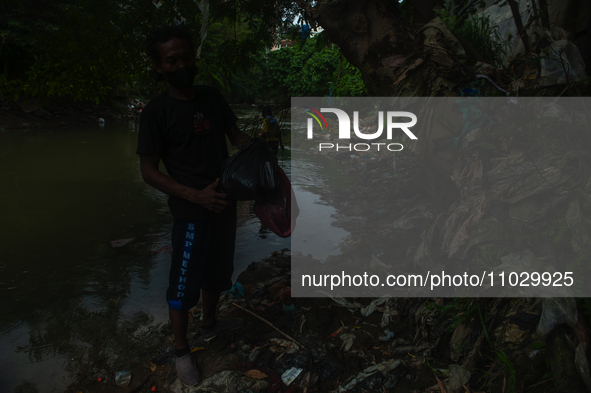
(487, 260)
(308, 72)
(556, 231)
(510, 368)
(483, 35)
(81, 49)
(462, 10)
(406, 8)
(480, 32)
(92, 50)
(459, 309)
(437, 371)
(350, 82)
(233, 59)
(266, 20)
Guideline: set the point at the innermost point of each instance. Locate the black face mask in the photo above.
(182, 78)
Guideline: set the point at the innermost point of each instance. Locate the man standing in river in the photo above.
(185, 128)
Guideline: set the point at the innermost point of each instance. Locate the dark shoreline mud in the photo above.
(317, 326)
(400, 345)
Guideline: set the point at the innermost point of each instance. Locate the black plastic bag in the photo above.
(252, 173)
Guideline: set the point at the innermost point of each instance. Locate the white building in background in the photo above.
(286, 42)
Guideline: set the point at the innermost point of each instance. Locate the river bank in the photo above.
(502, 194)
(349, 345)
(320, 340)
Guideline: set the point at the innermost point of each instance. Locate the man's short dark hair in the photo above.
(164, 34)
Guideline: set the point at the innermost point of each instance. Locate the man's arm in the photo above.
(209, 198)
(236, 137)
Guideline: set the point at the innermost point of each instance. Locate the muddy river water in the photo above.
(72, 303)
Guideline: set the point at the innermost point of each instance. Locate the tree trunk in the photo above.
(394, 58)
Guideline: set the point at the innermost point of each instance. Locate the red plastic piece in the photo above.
(277, 215)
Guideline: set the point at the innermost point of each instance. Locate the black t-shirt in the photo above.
(188, 135)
